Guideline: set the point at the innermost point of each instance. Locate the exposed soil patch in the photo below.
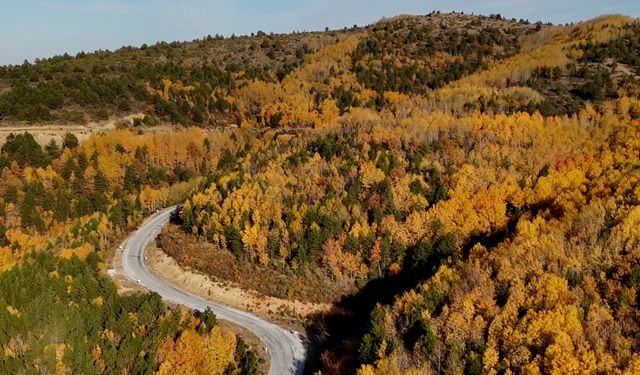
(45, 132)
(291, 314)
(308, 285)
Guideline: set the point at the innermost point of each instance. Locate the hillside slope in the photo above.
(485, 221)
(464, 189)
(197, 82)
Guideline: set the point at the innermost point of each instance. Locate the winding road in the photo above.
(285, 348)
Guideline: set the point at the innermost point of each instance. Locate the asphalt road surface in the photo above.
(284, 347)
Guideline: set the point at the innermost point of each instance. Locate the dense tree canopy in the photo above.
(467, 186)
(60, 214)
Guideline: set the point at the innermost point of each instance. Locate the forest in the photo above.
(63, 208)
(464, 190)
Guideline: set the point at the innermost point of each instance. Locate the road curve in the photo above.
(285, 348)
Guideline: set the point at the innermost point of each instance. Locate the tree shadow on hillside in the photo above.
(340, 330)
(351, 317)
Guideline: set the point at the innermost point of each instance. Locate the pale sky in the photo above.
(43, 28)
